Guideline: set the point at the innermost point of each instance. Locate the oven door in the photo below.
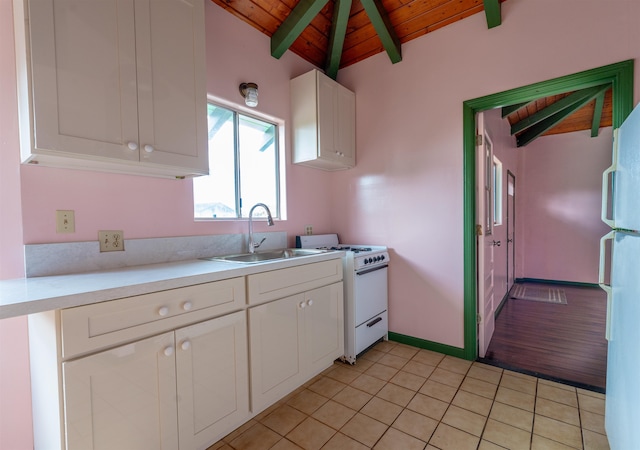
(370, 293)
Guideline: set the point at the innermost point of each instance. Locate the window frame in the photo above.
(279, 161)
(496, 169)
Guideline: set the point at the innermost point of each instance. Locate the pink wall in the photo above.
(561, 198)
(406, 191)
(15, 391)
(147, 207)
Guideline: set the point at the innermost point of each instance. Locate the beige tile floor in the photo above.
(398, 397)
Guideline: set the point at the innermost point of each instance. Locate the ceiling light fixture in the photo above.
(250, 93)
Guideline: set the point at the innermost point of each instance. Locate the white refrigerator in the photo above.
(622, 180)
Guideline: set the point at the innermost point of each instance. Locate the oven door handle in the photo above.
(374, 321)
(373, 269)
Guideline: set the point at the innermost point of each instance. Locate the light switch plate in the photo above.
(111, 240)
(65, 221)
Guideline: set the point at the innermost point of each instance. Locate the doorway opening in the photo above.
(619, 75)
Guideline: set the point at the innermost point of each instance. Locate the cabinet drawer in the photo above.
(370, 332)
(280, 283)
(91, 327)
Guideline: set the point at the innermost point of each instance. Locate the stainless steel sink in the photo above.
(267, 255)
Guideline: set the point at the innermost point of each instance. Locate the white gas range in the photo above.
(365, 291)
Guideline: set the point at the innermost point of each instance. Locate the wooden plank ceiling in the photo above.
(410, 19)
(333, 34)
(586, 109)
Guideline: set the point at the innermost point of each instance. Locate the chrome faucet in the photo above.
(252, 244)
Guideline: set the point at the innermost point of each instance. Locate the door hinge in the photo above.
(478, 319)
(478, 140)
(478, 230)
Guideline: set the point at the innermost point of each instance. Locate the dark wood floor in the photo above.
(559, 342)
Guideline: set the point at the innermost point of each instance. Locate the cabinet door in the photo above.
(324, 326)
(172, 83)
(276, 341)
(124, 398)
(84, 77)
(327, 118)
(213, 380)
(346, 126)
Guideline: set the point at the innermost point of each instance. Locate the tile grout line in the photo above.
(465, 376)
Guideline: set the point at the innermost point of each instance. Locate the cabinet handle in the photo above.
(310, 302)
(132, 146)
(186, 345)
(187, 306)
(163, 311)
(168, 351)
(148, 148)
(302, 305)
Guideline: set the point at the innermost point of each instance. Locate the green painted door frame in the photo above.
(620, 75)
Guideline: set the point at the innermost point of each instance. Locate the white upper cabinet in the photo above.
(323, 114)
(113, 85)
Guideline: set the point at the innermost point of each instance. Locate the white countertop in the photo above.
(24, 296)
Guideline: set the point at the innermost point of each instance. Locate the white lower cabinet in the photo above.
(212, 379)
(324, 327)
(170, 370)
(125, 398)
(293, 339)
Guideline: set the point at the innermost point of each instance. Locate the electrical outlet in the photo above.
(111, 240)
(308, 230)
(65, 221)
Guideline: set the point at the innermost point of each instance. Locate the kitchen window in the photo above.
(244, 166)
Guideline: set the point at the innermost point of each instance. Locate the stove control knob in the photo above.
(382, 258)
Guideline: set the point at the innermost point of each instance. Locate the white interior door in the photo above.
(485, 243)
(511, 229)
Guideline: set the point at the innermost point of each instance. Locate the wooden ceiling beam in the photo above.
(540, 127)
(294, 24)
(597, 114)
(560, 105)
(492, 12)
(506, 110)
(381, 23)
(338, 32)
